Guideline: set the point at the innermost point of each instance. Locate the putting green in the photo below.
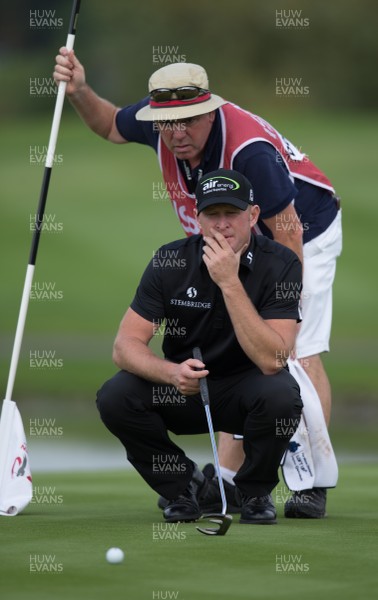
(56, 547)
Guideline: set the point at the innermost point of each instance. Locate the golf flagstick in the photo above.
(222, 519)
(15, 478)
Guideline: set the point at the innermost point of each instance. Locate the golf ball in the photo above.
(115, 556)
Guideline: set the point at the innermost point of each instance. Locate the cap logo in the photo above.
(220, 184)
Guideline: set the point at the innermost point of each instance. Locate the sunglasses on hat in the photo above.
(183, 93)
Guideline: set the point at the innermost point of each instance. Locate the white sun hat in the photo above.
(179, 91)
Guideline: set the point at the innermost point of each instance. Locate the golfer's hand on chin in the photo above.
(221, 260)
(186, 376)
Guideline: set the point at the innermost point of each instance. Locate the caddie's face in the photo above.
(234, 224)
(186, 138)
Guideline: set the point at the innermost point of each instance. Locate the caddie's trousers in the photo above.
(265, 409)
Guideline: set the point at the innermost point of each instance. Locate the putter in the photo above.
(222, 519)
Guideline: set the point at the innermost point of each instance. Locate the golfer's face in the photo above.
(233, 223)
(186, 138)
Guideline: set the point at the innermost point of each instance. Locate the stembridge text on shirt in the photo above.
(190, 303)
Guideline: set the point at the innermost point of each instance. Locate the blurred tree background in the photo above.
(245, 46)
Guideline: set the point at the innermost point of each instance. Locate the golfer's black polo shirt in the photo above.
(176, 287)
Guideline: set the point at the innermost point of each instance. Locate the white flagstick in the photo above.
(9, 407)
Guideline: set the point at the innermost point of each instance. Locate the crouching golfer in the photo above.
(216, 290)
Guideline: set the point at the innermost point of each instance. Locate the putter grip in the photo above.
(203, 383)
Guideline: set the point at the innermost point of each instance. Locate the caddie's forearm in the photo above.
(287, 229)
(131, 354)
(96, 112)
(296, 245)
(259, 341)
(292, 239)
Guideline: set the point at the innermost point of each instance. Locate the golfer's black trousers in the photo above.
(264, 408)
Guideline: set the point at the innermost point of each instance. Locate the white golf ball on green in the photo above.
(115, 556)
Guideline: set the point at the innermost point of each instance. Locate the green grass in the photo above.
(102, 195)
(92, 512)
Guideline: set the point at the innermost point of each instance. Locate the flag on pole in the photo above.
(16, 489)
(15, 478)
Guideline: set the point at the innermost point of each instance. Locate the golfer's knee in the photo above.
(114, 398)
(107, 401)
(282, 397)
(122, 397)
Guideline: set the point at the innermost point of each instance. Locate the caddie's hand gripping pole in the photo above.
(41, 210)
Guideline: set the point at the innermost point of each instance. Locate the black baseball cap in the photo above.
(223, 187)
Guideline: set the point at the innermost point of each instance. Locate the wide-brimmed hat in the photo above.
(179, 91)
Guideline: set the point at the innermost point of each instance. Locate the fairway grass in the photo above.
(75, 518)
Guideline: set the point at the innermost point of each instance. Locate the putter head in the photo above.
(220, 519)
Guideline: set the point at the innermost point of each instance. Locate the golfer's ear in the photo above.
(195, 212)
(254, 214)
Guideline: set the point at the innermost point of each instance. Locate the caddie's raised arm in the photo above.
(97, 113)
